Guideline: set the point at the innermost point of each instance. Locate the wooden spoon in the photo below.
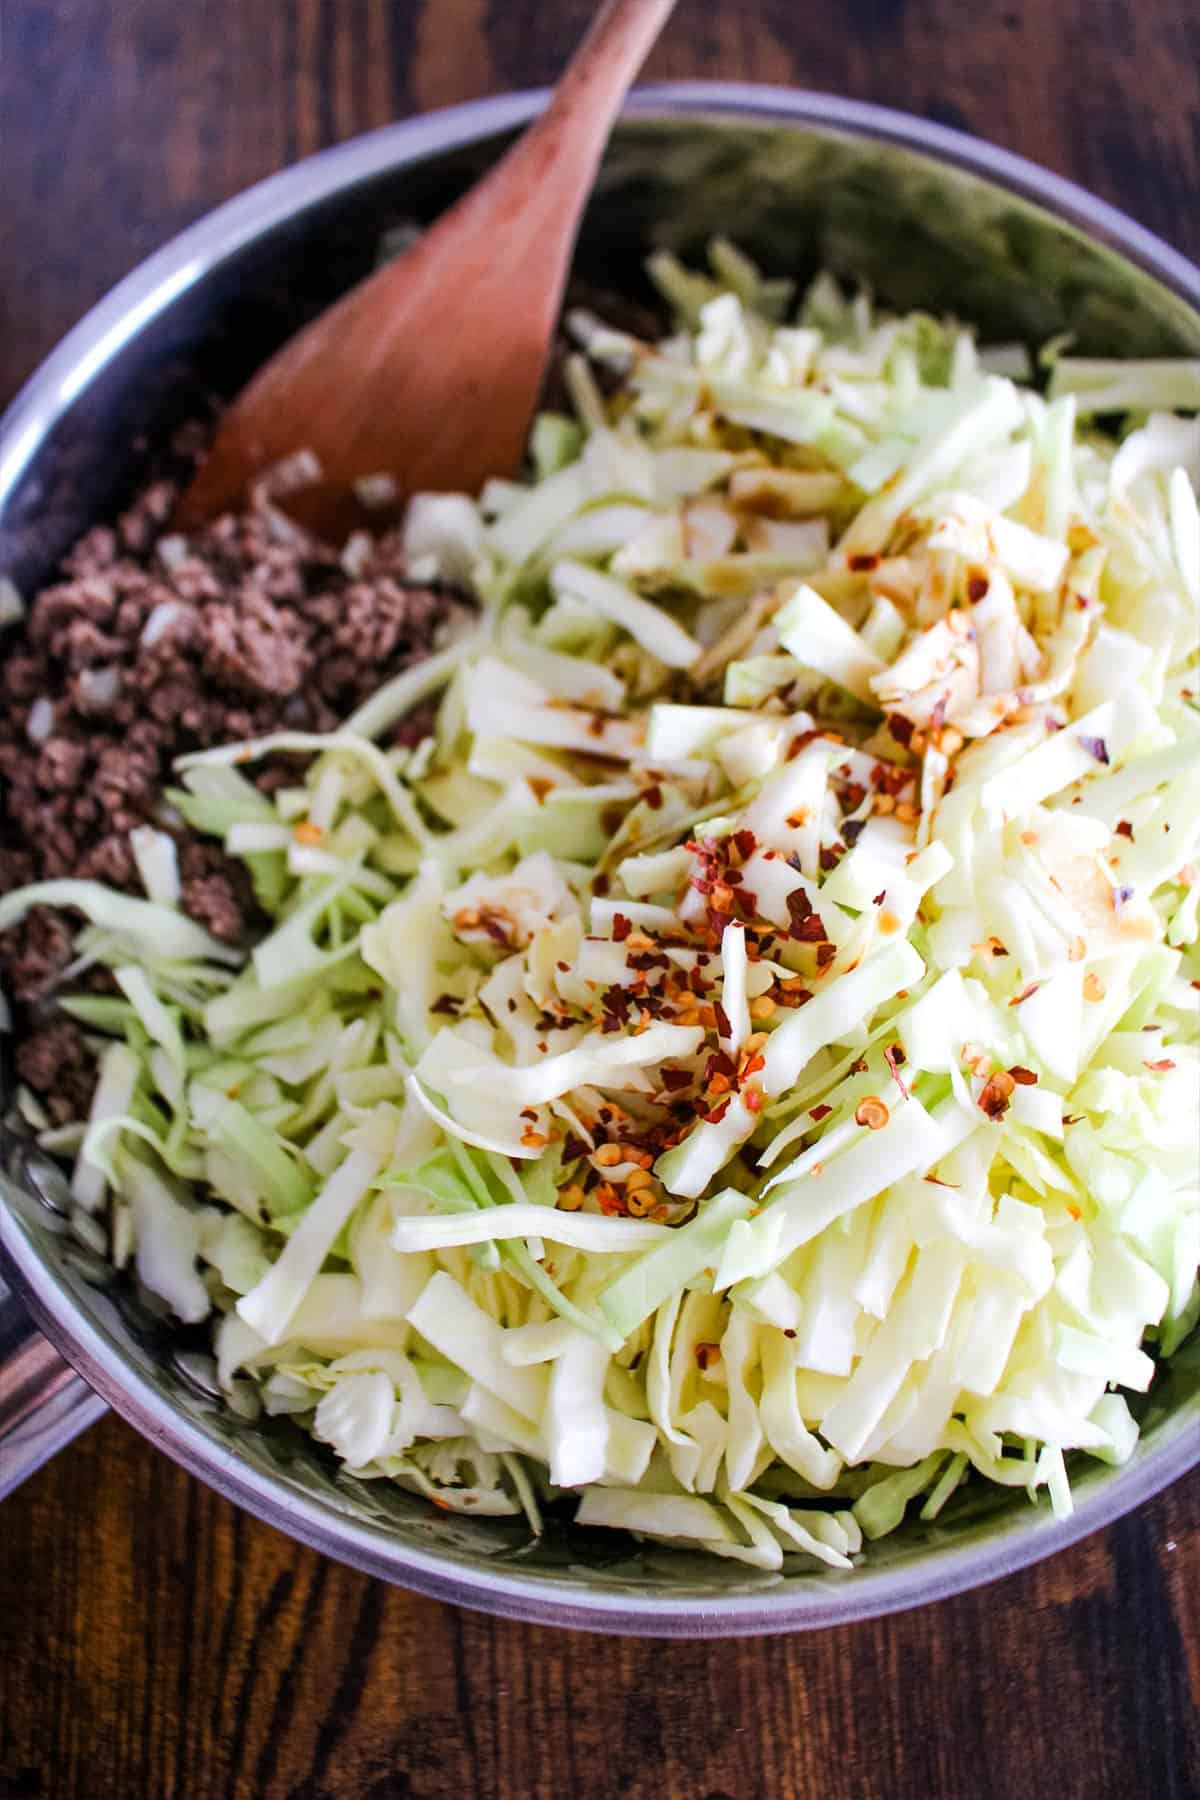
(429, 371)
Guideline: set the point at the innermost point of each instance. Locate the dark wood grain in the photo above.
(156, 1643)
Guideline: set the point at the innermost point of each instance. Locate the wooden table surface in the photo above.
(156, 1642)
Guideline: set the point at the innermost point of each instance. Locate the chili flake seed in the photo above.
(763, 1007)
(872, 1112)
(1093, 987)
(308, 833)
(707, 1355)
(608, 1156)
(534, 1140)
(997, 1092)
(570, 1198)
(907, 813)
(1078, 950)
(640, 1202)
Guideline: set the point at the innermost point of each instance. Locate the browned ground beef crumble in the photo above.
(268, 629)
(264, 628)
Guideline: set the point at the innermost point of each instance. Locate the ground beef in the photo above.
(147, 646)
(55, 1061)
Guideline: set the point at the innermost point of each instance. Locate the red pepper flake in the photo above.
(1096, 746)
(615, 1002)
(900, 728)
(895, 1058)
(1022, 1076)
(653, 797)
(1163, 1063)
(1125, 829)
(831, 856)
(446, 1003)
(494, 927)
(752, 1098)
(809, 931)
(819, 1112)
(675, 1079)
(707, 1355)
(745, 843)
(564, 968)
(863, 562)
(539, 787)
(977, 587)
(573, 1147)
(801, 742)
(718, 1112)
(1025, 993)
(880, 897)
(1072, 1118)
(996, 1094)
(788, 1332)
(601, 884)
(799, 905)
(825, 955)
(724, 1028)
(621, 928)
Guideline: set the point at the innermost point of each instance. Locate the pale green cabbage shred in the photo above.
(824, 760)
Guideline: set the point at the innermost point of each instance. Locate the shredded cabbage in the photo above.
(743, 1069)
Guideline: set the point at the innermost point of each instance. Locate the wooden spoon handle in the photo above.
(603, 68)
(560, 152)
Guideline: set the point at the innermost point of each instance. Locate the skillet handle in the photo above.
(43, 1403)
